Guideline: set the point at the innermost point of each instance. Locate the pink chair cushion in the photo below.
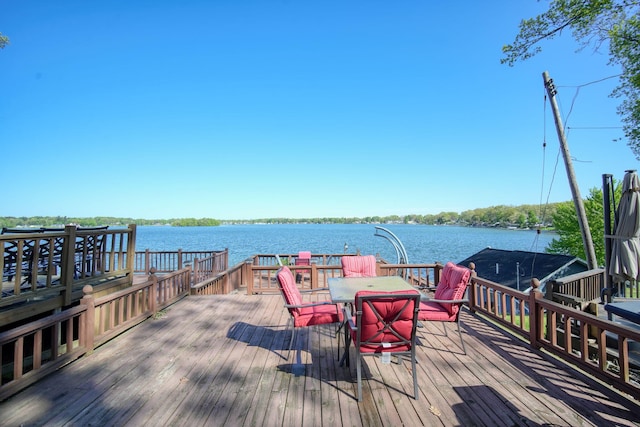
(318, 315)
(433, 311)
(453, 285)
(290, 291)
(305, 316)
(359, 266)
(388, 310)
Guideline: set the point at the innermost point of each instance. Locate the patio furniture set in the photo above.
(378, 314)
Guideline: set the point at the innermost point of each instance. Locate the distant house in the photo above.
(515, 269)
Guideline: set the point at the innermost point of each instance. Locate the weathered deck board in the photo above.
(224, 360)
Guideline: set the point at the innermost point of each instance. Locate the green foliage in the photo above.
(566, 225)
(193, 222)
(4, 40)
(60, 221)
(594, 23)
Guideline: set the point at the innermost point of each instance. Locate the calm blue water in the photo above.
(423, 243)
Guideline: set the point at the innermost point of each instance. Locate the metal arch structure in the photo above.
(397, 244)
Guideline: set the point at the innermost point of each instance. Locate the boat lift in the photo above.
(397, 244)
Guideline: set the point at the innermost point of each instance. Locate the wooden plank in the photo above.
(515, 385)
(279, 340)
(88, 379)
(176, 385)
(159, 369)
(218, 372)
(327, 363)
(254, 367)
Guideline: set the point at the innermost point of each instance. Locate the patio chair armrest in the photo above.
(445, 301)
(310, 304)
(310, 291)
(348, 317)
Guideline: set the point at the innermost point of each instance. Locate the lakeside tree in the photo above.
(565, 223)
(610, 24)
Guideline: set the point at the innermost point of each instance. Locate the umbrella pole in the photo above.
(607, 194)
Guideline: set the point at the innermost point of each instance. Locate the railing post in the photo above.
(472, 288)
(90, 317)
(131, 251)
(550, 288)
(179, 259)
(248, 276)
(69, 261)
(315, 282)
(536, 318)
(147, 261)
(226, 283)
(436, 272)
(153, 292)
(195, 276)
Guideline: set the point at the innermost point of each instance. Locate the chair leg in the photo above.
(293, 333)
(464, 350)
(415, 375)
(359, 375)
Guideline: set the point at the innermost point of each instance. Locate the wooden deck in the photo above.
(222, 360)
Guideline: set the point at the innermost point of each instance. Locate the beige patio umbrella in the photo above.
(625, 245)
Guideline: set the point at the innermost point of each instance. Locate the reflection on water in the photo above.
(423, 243)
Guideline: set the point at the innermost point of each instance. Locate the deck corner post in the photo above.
(472, 288)
(248, 276)
(90, 318)
(436, 272)
(536, 316)
(153, 291)
(314, 276)
(196, 274)
(68, 269)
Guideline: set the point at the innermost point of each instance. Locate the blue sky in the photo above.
(256, 109)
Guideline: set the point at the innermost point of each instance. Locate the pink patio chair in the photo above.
(384, 323)
(304, 314)
(304, 258)
(358, 266)
(448, 298)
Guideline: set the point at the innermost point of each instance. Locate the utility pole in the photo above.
(587, 241)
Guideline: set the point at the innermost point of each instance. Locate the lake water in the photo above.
(423, 243)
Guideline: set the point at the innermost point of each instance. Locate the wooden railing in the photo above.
(210, 266)
(168, 261)
(577, 290)
(31, 351)
(48, 269)
(598, 346)
(228, 281)
(316, 276)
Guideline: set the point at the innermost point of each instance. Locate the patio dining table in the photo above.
(343, 289)
(629, 310)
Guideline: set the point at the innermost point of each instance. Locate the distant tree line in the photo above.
(60, 221)
(561, 217)
(524, 216)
